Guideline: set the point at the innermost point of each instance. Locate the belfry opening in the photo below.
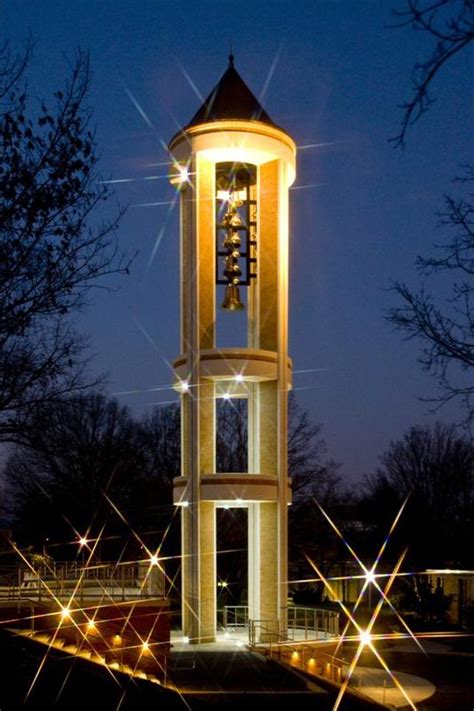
(233, 167)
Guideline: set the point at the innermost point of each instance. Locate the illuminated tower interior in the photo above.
(233, 167)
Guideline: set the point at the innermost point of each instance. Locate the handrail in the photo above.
(235, 616)
(308, 657)
(312, 620)
(302, 623)
(265, 632)
(110, 580)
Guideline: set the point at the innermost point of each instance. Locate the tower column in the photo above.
(198, 406)
(271, 332)
(283, 389)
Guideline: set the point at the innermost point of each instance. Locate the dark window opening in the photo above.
(232, 562)
(232, 435)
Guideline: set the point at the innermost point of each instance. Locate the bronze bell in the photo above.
(232, 300)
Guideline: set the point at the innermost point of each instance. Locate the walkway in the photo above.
(224, 672)
(188, 662)
(231, 640)
(378, 685)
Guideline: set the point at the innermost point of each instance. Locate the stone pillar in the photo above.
(268, 520)
(198, 406)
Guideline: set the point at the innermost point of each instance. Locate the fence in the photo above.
(303, 623)
(311, 623)
(265, 632)
(235, 616)
(62, 579)
(309, 657)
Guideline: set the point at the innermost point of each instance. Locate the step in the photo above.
(97, 658)
(42, 637)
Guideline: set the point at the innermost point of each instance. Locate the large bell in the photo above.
(232, 300)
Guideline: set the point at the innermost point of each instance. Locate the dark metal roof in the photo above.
(230, 99)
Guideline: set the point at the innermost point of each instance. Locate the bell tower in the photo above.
(233, 167)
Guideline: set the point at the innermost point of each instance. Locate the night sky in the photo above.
(331, 73)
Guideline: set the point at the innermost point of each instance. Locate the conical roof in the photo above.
(230, 99)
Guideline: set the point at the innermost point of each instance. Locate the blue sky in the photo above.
(339, 74)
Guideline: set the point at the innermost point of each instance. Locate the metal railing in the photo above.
(359, 680)
(61, 579)
(308, 657)
(235, 616)
(303, 624)
(265, 632)
(312, 623)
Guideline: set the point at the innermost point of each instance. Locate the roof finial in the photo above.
(231, 56)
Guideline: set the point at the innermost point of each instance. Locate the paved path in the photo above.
(240, 679)
(224, 671)
(378, 685)
(226, 666)
(195, 671)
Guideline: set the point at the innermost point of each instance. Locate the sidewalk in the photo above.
(378, 685)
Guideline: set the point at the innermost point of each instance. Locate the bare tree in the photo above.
(451, 25)
(434, 467)
(447, 330)
(232, 435)
(161, 433)
(311, 473)
(84, 453)
(437, 465)
(78, 449)
(50, 254)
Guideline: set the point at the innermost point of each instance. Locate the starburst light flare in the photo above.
(139, 108)
(271, 71)
(369, 576)
(364, 633)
